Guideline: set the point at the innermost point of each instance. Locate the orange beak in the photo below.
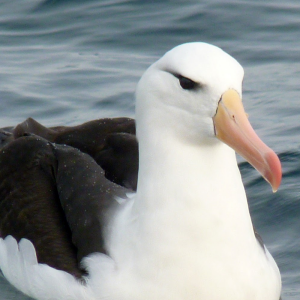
(233, 128)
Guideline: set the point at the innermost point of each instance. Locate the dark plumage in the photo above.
(111, 142)
(57, 196)
(28, 202)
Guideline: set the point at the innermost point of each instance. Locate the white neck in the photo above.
(180, 181)
(190, 213)
(189, 224)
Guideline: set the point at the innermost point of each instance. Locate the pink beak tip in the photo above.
(274, 174)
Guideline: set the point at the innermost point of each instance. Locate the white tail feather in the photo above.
(19, 265)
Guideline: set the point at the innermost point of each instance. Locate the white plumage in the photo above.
(187, 233)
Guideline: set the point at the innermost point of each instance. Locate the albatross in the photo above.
(72, 228)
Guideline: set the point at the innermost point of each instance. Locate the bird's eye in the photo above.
(186, 83)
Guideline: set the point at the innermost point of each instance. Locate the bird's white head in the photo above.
(183, 89)
(193, 93)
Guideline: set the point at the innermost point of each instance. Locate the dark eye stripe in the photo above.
(186, 83)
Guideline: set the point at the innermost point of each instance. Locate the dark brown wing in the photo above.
(6, 136)
(120, 159)
(55, 196)
(111, 142)
(29, 202)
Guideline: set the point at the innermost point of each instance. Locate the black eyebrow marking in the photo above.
(187, 83)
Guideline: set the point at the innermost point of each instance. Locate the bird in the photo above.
(176, 226)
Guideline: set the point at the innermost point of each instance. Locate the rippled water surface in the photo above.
(69, 61)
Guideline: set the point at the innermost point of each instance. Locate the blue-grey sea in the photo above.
(70, 61)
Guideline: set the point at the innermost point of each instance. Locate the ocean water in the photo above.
(70, 61)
